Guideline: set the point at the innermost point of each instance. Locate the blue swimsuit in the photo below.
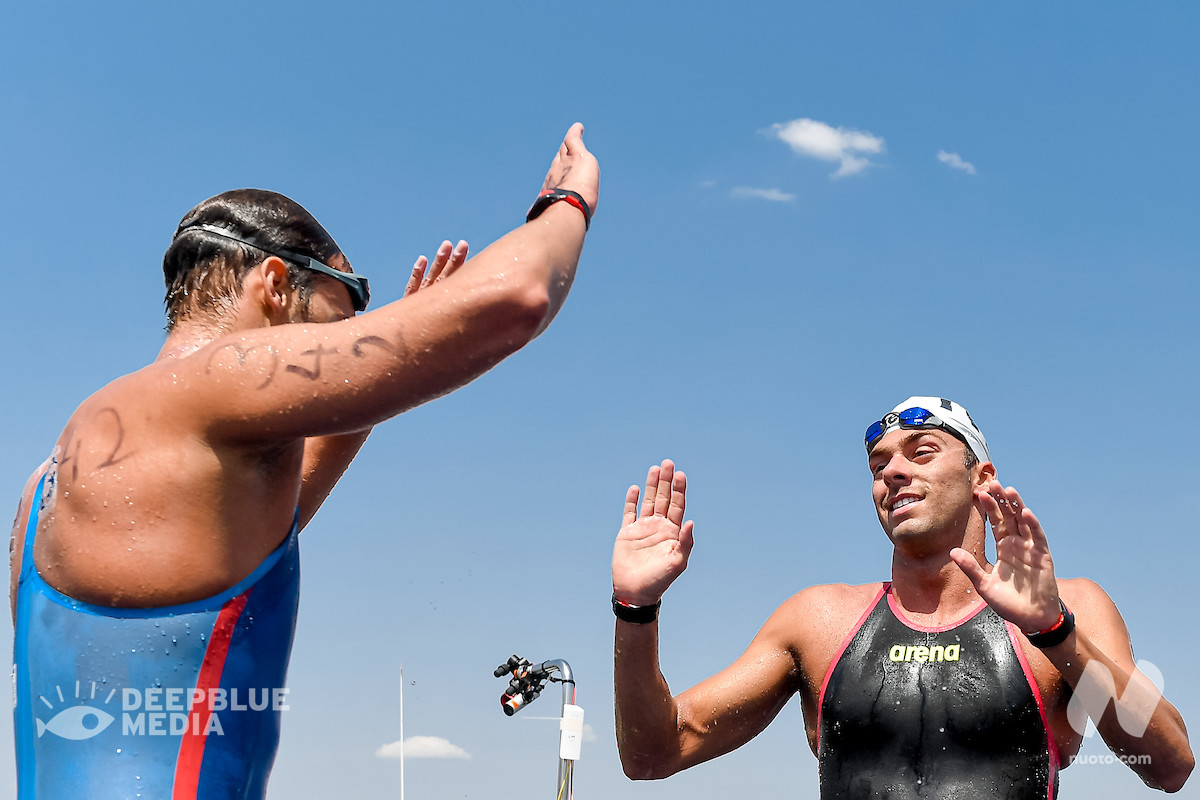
(174, 703)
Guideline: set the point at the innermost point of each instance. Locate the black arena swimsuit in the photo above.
(942, 713)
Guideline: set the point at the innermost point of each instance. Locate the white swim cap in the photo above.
(931, 412)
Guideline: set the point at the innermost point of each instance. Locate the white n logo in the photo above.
(1097, 688)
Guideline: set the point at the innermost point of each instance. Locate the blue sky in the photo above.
(751, 296)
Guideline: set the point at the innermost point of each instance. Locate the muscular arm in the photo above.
(1096, 661)
(658, 734)
(302, 380)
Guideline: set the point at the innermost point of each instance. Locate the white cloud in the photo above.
(708, 184)
(422, 747)
(955, 160)
(808, 137)
(589, 733)
(774, 195)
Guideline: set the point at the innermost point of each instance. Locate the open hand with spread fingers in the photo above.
(654, 542)
(446, 261)
(1020, 586)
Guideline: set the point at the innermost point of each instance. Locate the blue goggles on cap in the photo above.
(909, 418)
(360, 290)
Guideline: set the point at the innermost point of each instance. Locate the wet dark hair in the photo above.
(204, 272)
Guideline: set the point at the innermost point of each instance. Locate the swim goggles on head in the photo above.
(360, 291)
(909, 418)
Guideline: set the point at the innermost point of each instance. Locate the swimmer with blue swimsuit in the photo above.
(952, 680)
(155, 569)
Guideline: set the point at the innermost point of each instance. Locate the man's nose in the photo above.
(895, 471)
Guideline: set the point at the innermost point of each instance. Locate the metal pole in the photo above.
(568, 696)
(401, 732)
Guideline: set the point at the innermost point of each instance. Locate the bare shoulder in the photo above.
(1083, 592)
(815, 623)
(820, 617)
(1095, 614)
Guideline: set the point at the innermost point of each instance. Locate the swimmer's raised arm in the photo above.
(310, 379)
(653, 546)
(658, 734)
(1095, 658)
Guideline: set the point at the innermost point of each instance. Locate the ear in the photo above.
(986, 472)
(277, 295)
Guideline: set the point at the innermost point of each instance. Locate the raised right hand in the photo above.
(653, 545)
(575, 168)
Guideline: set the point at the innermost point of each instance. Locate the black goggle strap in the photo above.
(360, 290)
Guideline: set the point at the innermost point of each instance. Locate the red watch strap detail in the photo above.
(550, 196)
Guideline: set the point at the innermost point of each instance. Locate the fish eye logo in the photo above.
(77, 722)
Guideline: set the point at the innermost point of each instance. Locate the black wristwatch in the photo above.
(1057, 633)
(638, 615)
(551, 196)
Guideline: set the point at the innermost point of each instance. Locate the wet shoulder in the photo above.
(822, 616)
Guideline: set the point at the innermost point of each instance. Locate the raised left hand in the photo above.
(447, 259)
(1020, 586)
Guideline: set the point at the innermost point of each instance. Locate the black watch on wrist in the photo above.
(551, 196)
(638, 615)
(1055, 634)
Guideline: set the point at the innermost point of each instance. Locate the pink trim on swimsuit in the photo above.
(838, 656)
(1051, 745)
(899, 613)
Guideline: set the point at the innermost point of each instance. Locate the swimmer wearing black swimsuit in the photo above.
(912, 712)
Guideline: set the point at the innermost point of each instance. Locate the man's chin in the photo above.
(907, 530)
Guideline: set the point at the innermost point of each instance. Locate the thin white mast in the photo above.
(401, 732)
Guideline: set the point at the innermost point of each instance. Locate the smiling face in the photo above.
(923, 488)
